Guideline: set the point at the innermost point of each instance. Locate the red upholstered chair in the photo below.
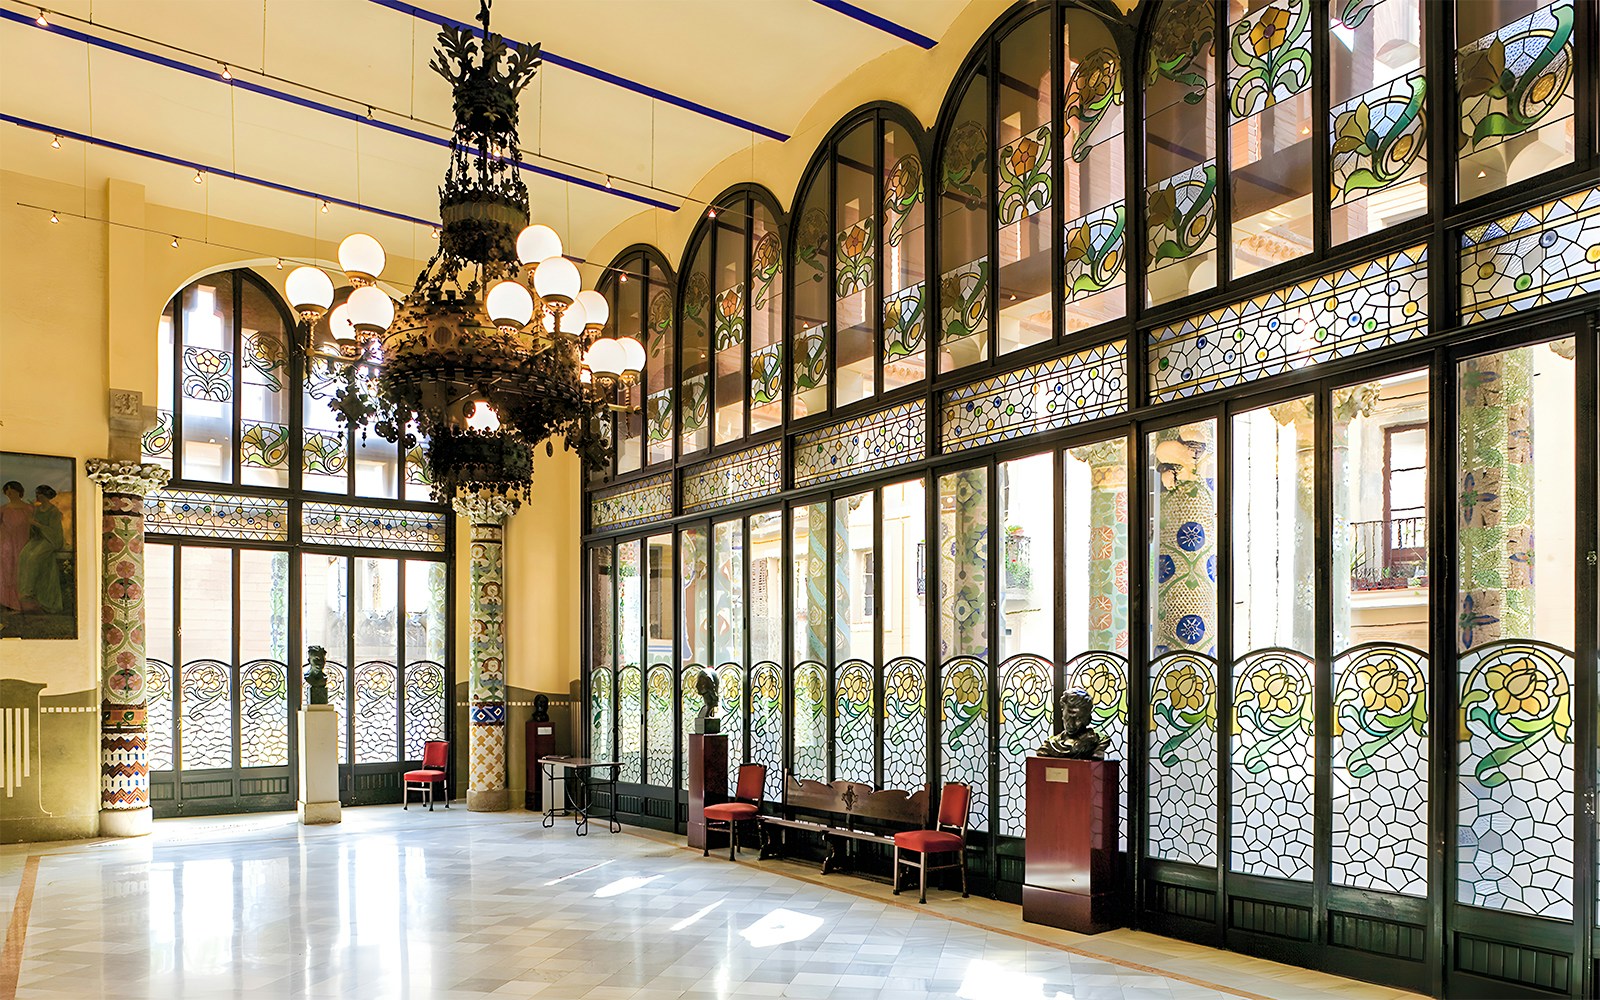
(953, 803)
(435, 756)
(748, 793)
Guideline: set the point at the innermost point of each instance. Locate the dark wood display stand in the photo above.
(540, 742)
(1071, 866)
(708, 780)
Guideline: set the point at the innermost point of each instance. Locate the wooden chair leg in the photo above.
(444, 786)
(430, 796)
(705, 848)
(923, 871)
(733, 838)
(963, 872)
(897, 869)
(405, 795)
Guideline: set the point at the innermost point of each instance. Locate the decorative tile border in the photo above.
(1288, 329)
(372, 527)
(877, 441)
(213, 515)
(1544, 254)
(745, 475)
(648, 499)
(1041, 397)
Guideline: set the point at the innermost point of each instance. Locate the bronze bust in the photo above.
(706, 721)
(316, 677)
(1078, 739)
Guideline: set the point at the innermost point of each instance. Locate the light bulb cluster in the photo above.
(557, 306)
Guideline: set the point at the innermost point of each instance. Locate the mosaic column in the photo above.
(1186, 558)
(486, 746)
(1494, 488)
(1298, 414)
(1108, 544)
(124, 759)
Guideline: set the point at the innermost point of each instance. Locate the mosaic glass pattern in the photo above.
(630, 712)
(1105, 676)
(207, 374)
(1181, 782)
(264, 445)
(158, 718)
(852, 722)
(156, 445)
(377, 692)
(1544, 254)
(336, 698)
(658, 726)
(902, 191)
(264, 714)
(212, 515)
(1181, 213)
(862, 444)
(744, 475)
(688, 678)
(811, 357)
(1335, 315)
(964, 301)
(810, 752)
(1379, 139)
(649, 499)
(1272, 753)
(766, 375)
(729, 316)
(1025, 175)
(324, 453)
(730, 691)
(1515, 782)
(854, 262)
(1270, 57)
(1027, 694)
(658, 410)
(905, 724)
(1380, 769)
(766, 724)
(600, 731)
(904, 322)
(1094, 252)
(205, 737)
(425, 706)
(372, 527)
(964, 563)
(964, 731)
(696, 402)
(1510, 81)
(1094, 96)
(1084, 386)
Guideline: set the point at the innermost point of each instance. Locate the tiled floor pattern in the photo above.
(458, 904)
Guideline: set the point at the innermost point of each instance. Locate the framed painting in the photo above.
(38, 547)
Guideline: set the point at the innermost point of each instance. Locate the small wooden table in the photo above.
(579, 780)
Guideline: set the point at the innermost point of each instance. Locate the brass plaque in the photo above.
(1056, 774)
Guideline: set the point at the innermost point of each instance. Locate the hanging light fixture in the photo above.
(482, 367)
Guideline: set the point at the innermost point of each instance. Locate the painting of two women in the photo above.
(38, 593)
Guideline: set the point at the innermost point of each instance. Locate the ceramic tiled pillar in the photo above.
(124, 760)
(486, 728)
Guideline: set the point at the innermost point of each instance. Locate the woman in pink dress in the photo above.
(15, 517)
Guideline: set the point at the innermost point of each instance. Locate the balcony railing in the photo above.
(1389, 555)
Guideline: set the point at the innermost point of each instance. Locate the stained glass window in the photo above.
(630, 722)
(809, 555)
(216, 515)
(766, 319)
(602, 597)
(1516, 480)
(632, 285)
(855, 567)
(1378, 118)
(695, 344)
(766, 724)
(1028, 555)
(813, 256)
(861, 444)
(1269, 132)
(1025, 189)
(853, 711)
(160, 650)
(744, 475)
(660, 569)
(1094, 175)
(649, 499)
(964, 563)
(660, 366)
(426, 704)
(730, 324)
(694, 593)
(903, 620)
(1547, 253)
(964, 281)
(205, 715)
(905, 724)
(964, 731)
(208, 386)
(659, 756)
(905, 292)
(1181, 151)
(728, 594)
(809, 752)
(377, 710)
(1514, 88)
(765, 587)
(1027, 697)
(855, 289)
(600, 709)
(730, 691)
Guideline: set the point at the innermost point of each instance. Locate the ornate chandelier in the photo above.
(496, 348)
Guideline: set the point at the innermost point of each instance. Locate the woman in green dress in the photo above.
(38, 576)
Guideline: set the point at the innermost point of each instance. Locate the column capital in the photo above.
(126, 477)
(484, 508)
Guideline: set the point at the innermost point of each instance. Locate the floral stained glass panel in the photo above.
(1544, 254)
(964, 732)
(766, 724)
(810, 752)
(905, 724)
(658, 726)
(853, 743)
(1027, 696)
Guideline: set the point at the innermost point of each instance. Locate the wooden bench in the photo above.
(842, 811)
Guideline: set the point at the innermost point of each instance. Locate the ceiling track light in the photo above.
(608, 182)
(280, 263)
(711, 213)
(199, 176)
(225, 74)
(40, 21)
(174, 243)
(55, 142)
(324, 206)
(54, 217)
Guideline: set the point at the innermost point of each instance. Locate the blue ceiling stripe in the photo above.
(327, 109)
(899, 31)
(151, 154)
(567, 62)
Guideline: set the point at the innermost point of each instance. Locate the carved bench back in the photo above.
(856, 801)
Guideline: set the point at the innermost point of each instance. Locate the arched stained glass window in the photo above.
(1094, 206)
(1180, 149)
(637, 286)
(964, 228)
(1025, 191)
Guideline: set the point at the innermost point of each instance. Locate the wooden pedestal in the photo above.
(540, 741)
(1071, 871)
(708, 780)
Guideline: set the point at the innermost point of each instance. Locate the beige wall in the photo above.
(79, 305)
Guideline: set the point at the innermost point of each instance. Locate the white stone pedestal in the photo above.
(319, 765)
(126, 822)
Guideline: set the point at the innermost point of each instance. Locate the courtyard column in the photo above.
(486, 689)
(1186, 567)
(1108, 545)
(124, 754)
(1494, 490)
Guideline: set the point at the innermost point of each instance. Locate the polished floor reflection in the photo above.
(457, 904)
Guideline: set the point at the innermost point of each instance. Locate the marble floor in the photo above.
(458, 904)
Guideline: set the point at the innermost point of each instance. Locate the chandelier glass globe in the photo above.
(361, 258)
(309, 291)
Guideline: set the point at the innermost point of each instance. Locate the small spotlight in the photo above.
(1305, 130)
(711, 213)
(55, 142)
(624, 278)
(174, 243)
(40, 21)
(434, 232)
(280, 263)
(55, 218)
(199, 177)
(324, 206)
(1483, 173)
(608, 182)
(225, 74)
(369, 111)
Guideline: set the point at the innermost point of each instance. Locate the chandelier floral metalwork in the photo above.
(496, 348)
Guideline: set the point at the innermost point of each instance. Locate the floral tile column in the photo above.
(124, 761)
(486, 724)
